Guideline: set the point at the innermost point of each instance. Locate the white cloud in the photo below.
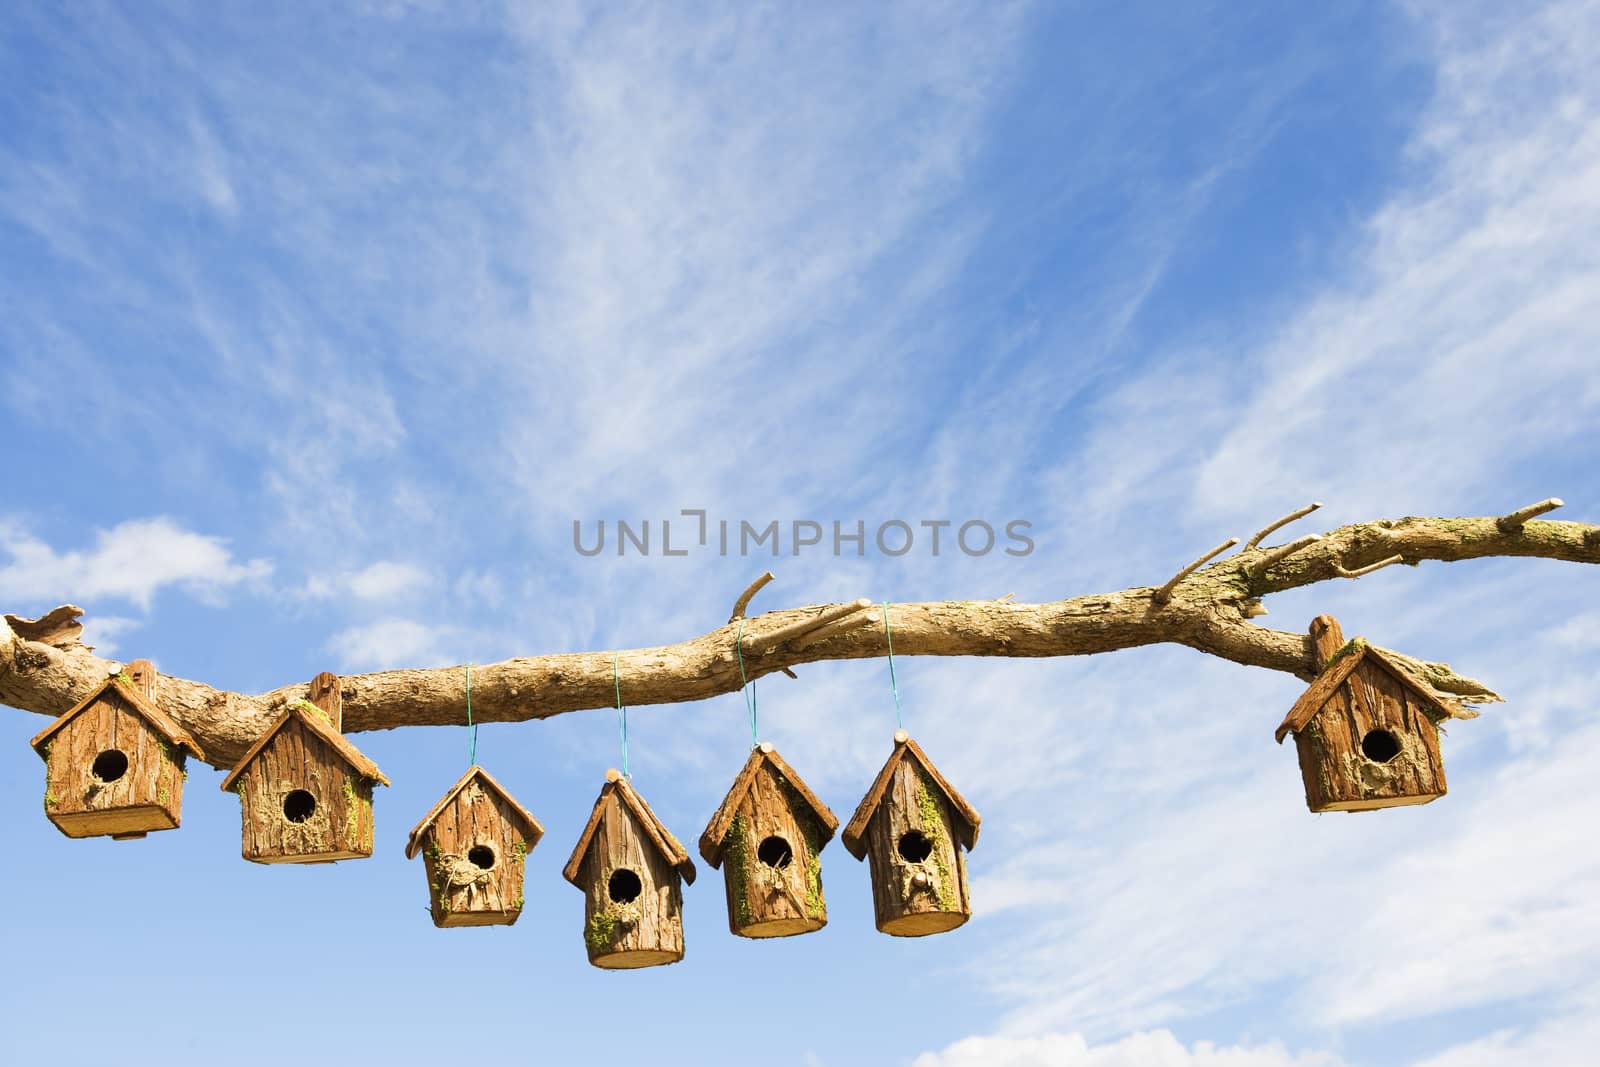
(1570, 1039)
(388, 644)
(103, 632)
(1156, 1049)
(383, 580)
(132, 561)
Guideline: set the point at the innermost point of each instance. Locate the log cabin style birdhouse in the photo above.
(114, 762)
(629, 867)
(768, 837)
(914, 829)
(305, 793)
(474, 844)
(1366, 731)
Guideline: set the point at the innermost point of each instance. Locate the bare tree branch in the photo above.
(748, 595)
(1164, 594)
(1262, 533)
(1369, 568)
(44, 668)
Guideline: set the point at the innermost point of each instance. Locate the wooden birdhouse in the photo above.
(1366, 731)
(474, 843)
(114, 763)
(629, 867)
(305, 793)
(914, 828)
(768, 837)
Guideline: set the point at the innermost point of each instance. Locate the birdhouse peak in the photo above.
(317, 721)
(619, 792)
(532, 830)
(764, 758)
(121, 687)
(965, 816)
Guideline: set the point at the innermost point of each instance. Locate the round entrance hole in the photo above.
(775, 853)
(481, 857)
(299, 805)
(109, 766)
(914, 846)
(1380, 746)
(624, 886)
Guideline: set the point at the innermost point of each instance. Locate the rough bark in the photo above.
(629, 922)
(920, 889)
(45, 669)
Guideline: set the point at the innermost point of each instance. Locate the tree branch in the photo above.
(45, 669)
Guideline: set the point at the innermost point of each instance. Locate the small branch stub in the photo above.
(1283, 552)
(1362, 571)
(1164, 594)
(1261, 534)
(1519, 518)
(749, 595)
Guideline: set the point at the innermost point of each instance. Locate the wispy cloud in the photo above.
(383, 580)
(1155, 1049)
(1466, 327)
(387, 644)
(130, 562)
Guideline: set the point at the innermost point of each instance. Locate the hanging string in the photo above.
(622, 715)
(894, 688)
(746, 686)
(472, 727)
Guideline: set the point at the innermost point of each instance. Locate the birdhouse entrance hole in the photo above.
(481, 856)
(914, 846)
(299, 806)
(624, 886)
(775, 853)
(1380, 746)
(109, 766)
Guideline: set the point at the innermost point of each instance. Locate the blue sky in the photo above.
(318, 329)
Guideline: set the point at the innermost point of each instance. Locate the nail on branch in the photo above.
(1286, 520)
(1164, 594)
(748, 595)
(1283, 552)
(1359, 572)
(1516, 519)
(759, 644)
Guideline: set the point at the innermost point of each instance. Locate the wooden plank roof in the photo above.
(716, 832)
(532, 830)
(159, 721)
(619, 790)
(1328, 682)
(966, 817)
(318, 724)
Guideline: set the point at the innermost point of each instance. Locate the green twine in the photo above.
(472, 728)
(893, 687)
(746, 686)
(622, 714)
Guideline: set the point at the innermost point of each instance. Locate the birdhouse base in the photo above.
(1374, 803)
(475, 918)
(634, 958)
(923, 923)
(115, 822)
(788, 926)
(310, 857)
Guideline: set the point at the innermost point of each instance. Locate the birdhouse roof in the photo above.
(154, 717)
(711, 842)
(655, 831)
(966, 817)
(532, 831)
(315, 721)
(1336, 673)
